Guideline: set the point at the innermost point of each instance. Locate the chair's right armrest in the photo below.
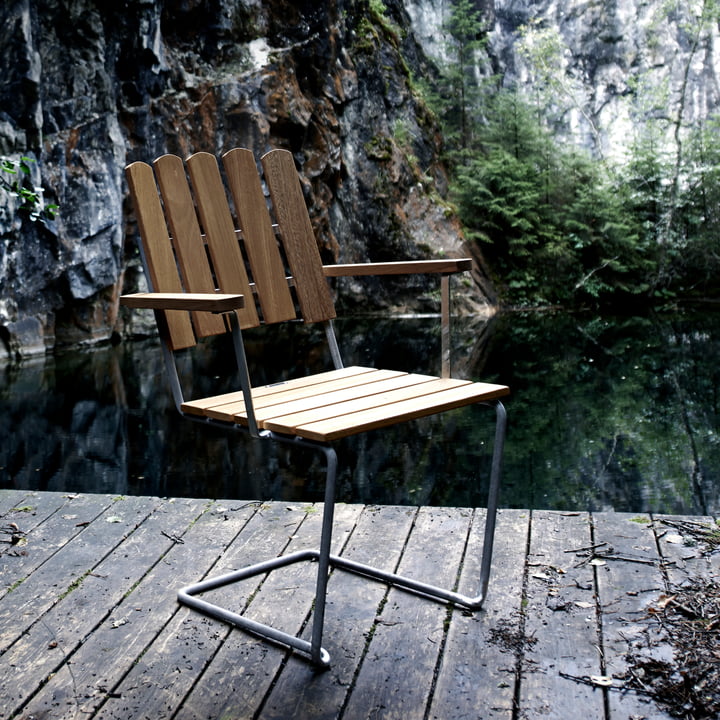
(209, 302)
(403, 267)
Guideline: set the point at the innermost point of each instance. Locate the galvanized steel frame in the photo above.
(313, 648)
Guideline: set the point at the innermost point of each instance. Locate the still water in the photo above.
(605, 413)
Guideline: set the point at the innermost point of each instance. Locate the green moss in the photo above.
(75, 584)
(16, 585)
(379, 147)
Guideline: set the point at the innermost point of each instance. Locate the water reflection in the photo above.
(619, 414)
(614, 414)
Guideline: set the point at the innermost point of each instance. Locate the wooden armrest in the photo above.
(404, 267)
(210, 302)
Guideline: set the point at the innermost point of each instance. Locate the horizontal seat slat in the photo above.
(338, 403)
(286, 399)
(326, 403)
(202, 405)
(379, 417)
(413, 386)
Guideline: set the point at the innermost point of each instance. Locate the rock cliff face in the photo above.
(612, 65)
(88, 87)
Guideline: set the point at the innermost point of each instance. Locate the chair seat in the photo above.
(335, 404)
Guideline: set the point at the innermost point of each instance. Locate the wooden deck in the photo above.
(90, 628)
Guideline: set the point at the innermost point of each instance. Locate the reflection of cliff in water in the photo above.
(64, 424)
(619, 414)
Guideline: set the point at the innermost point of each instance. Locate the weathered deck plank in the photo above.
(36, 506)
(183, 543)
(48, 521)
(684, 557)
(63, 554)
(167, 671)
(409, 633)
(90, 626)
(560, 594)
(478, 671)
(284, 600)
(629, 579)
(128, 546)
(353, 606)
(11, 499)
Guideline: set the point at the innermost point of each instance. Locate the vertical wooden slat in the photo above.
(260, 242)
(219, 229)
(188, 242)
(297, 236)
(157, 249)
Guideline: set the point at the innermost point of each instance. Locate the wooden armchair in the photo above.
(210, 275)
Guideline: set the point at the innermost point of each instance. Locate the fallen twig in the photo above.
(174, 538)
(587, 548)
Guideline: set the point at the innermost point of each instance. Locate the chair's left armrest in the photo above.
(404, 267)
(209, 302)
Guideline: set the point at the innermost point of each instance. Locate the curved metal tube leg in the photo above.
(318, 655)
(432, 591)
(186, 596)
(493, 494)
(324, 556)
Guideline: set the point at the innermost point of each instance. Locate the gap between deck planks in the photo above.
(90, 628)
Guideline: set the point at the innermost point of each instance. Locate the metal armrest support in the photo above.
(445, 268)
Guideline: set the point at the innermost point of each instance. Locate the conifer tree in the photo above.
(561, 224)
(458, 98)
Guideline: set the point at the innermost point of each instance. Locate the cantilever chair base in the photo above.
(313, 648)
(186, 596)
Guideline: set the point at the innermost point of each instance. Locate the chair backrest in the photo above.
(193, 242)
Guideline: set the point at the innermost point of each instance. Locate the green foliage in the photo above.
(456, 98)
(553, 225)
(552, 220)
(696, 227)
(562, 225)
(15, 180)
(677, 207)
